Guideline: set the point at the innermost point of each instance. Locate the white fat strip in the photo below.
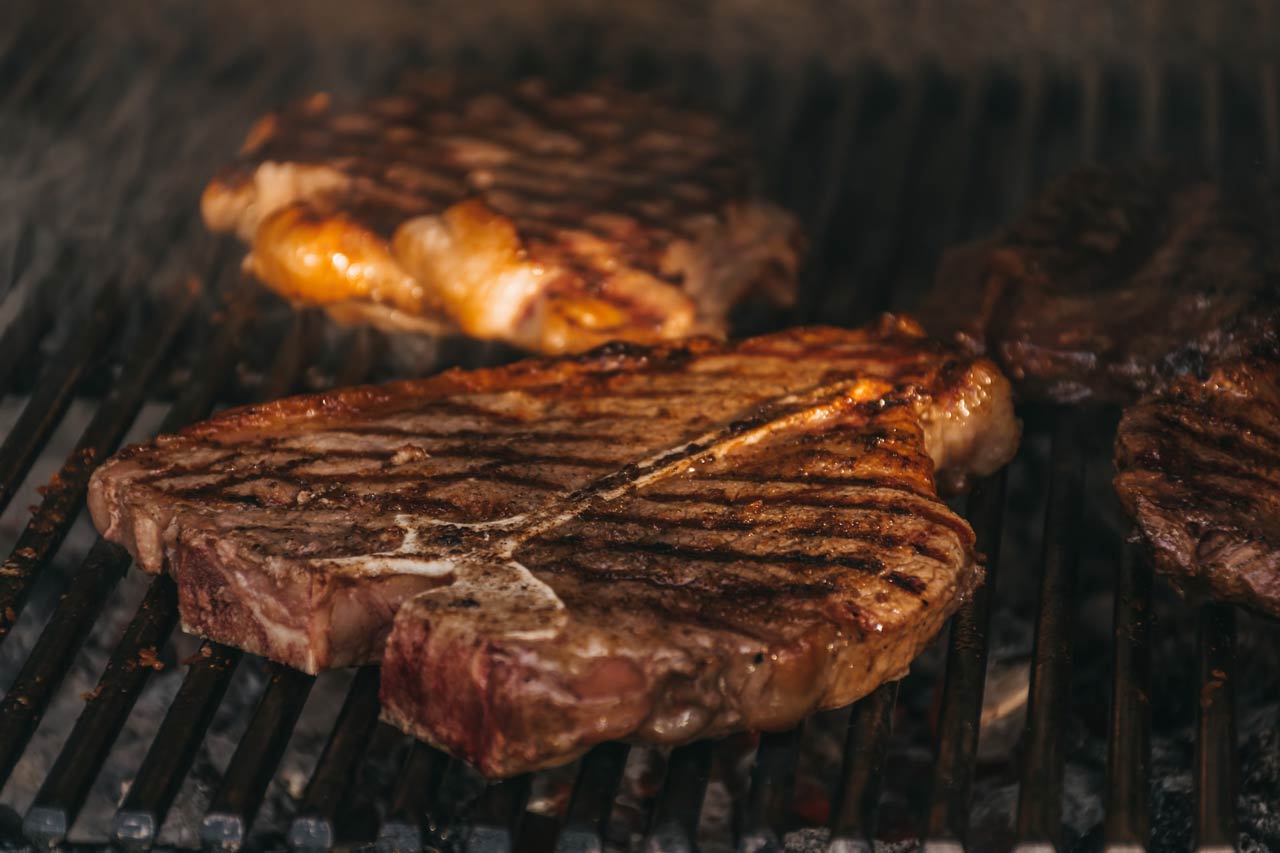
(404, 560)
(509, 521)
(282, 635)
(376, 565)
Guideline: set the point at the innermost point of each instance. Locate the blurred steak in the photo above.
(1114, 281)
(658, 543)
(1200, 474)
(553, 222)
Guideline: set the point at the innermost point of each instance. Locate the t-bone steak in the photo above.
(649, 543)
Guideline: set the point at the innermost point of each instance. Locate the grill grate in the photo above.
(887, 169)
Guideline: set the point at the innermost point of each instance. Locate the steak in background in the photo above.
(1199, 471)
(555, 222)
(1114, 281)
(658, 543)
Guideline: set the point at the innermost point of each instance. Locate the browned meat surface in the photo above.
(1199, 471)
(1114, 281)
(657, 543)
(553, 222)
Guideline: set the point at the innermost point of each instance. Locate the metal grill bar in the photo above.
(1091, 88)
(1269, 97)
(316, 826)
(226, 826)
(675, 818)
(1129, 756)
(100, 722)
(1023, 169)
(495, 823)
(180, 733)
(868, 288)
(419, 780)
(819, 215)
(586, 826)
(65, 494)
(29, 696)
(24, 332)
(54, 390)
(1039, 824)
(65, 788)
(857, 800)
(764, 820)
(1216, 762)
(138, 821)
(948, 820)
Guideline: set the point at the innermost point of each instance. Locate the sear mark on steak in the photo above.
(1199, 471)
(1114, 281)
(653, 543)
(555, 222)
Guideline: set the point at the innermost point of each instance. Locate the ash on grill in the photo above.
(108, 129)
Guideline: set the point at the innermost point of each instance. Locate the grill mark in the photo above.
(505, 456)
(495, 476)
(884, 540)
(552, 436)
(459, 408)
(548, 436)
(930, 511)
(521, 182)
(1228, 442)
(913, 585)
(764, 478)
(623, 517)
(1192, 483)
(593, 389)
(1164, 453)
(510, 456)
(822, 530)
(214, 488)
(868, 565)
(721, 586)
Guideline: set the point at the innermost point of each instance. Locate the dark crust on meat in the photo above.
(718, 536)
(1114, 281)
(407, 153)
(1200, 473)
(612, 194)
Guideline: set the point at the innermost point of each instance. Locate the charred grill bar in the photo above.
(886, 169)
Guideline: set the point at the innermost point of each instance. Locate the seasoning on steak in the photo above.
(1114, 281)
(1199, 471)
(656, 543)
(555, 222)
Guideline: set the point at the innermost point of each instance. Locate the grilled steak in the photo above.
(1115, 281)
(659, 543)
(1199, 471)
(554, 222)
